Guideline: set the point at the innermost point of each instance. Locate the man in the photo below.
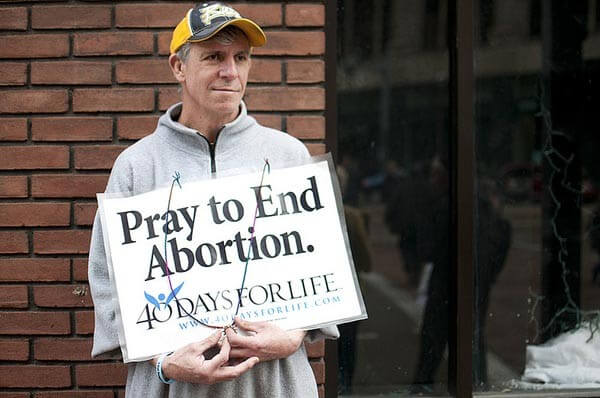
(208, 132)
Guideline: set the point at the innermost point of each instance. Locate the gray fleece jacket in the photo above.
(241, 145)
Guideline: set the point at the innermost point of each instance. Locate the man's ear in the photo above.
(177, 68)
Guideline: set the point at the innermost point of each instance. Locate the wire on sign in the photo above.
(174, 291)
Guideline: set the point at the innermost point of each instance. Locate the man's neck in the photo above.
(209, 127)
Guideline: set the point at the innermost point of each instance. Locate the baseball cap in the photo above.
(206, 19)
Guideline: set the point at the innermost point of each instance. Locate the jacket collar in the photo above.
(189, 139)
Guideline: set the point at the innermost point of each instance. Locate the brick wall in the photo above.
(80, 81)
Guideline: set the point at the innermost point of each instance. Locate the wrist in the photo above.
(301, 334)
(160, 368)
(297, 338)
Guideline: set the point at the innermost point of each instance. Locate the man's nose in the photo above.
(229, 69)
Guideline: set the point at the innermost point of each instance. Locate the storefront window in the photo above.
(392, 95)
(536, 214)
(537, 232)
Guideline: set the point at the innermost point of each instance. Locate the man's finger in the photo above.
(241, 353)
(251, 326)
(237, 340)
(231, 372)
(221, 358)
(201, 346)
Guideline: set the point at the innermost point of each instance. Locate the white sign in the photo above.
(176, 271)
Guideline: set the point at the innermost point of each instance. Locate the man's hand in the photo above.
(265, 340)
(189, 364)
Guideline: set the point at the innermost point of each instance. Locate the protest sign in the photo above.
(185, 259)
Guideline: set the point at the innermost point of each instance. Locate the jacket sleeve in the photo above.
(327, 332)
(106, 336)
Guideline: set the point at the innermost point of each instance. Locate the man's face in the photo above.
(214, 77)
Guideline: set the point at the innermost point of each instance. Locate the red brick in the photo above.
(113, 43)
(13, 129)
(14, 296)
(34, 46)
(163, 40)
(285, 98)
(33, 101)
(71, 72)
(34, 270)
(71, 129)
(169, 15)
(13, 242)
(268, 120)
(150, 15)
(263, 14)
(35, 376)
(13, 18)
(144, 71)
(306, 127)
(113, 100)
(13, 73)
(69, 17)
(67, 186)
(34, 157)
(84, 322)
(318, 368)
(14, 350)
(305, 71)
(167, 97)
(80, 269)
(293, 43)
(136, 127)
(316, 349)
(74, 394)
(62, 296)
(62, 349)
(85, 213)
(96, 156)
(60, 241)
(304, 14)
(13, 187)
(34, 323)
(14, 394)
(32, 214)
(265, 71)
(101, 374)
(316, 149)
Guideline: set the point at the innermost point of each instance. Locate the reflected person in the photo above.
(425, 216)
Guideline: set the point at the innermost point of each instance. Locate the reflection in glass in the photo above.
(537, 226)
(392, 160)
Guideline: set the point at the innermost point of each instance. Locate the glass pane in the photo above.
(537, 274)
(392, 83)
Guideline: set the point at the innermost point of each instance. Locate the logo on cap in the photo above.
(213, 11)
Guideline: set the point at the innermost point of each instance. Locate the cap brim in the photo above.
(253, 32)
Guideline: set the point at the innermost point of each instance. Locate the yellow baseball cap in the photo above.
(205, 20)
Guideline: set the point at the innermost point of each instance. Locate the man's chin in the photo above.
(227, 110)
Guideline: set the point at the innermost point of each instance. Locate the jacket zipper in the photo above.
(211, 149)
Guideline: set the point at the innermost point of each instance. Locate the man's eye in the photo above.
(212, 57)
(242, 57)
